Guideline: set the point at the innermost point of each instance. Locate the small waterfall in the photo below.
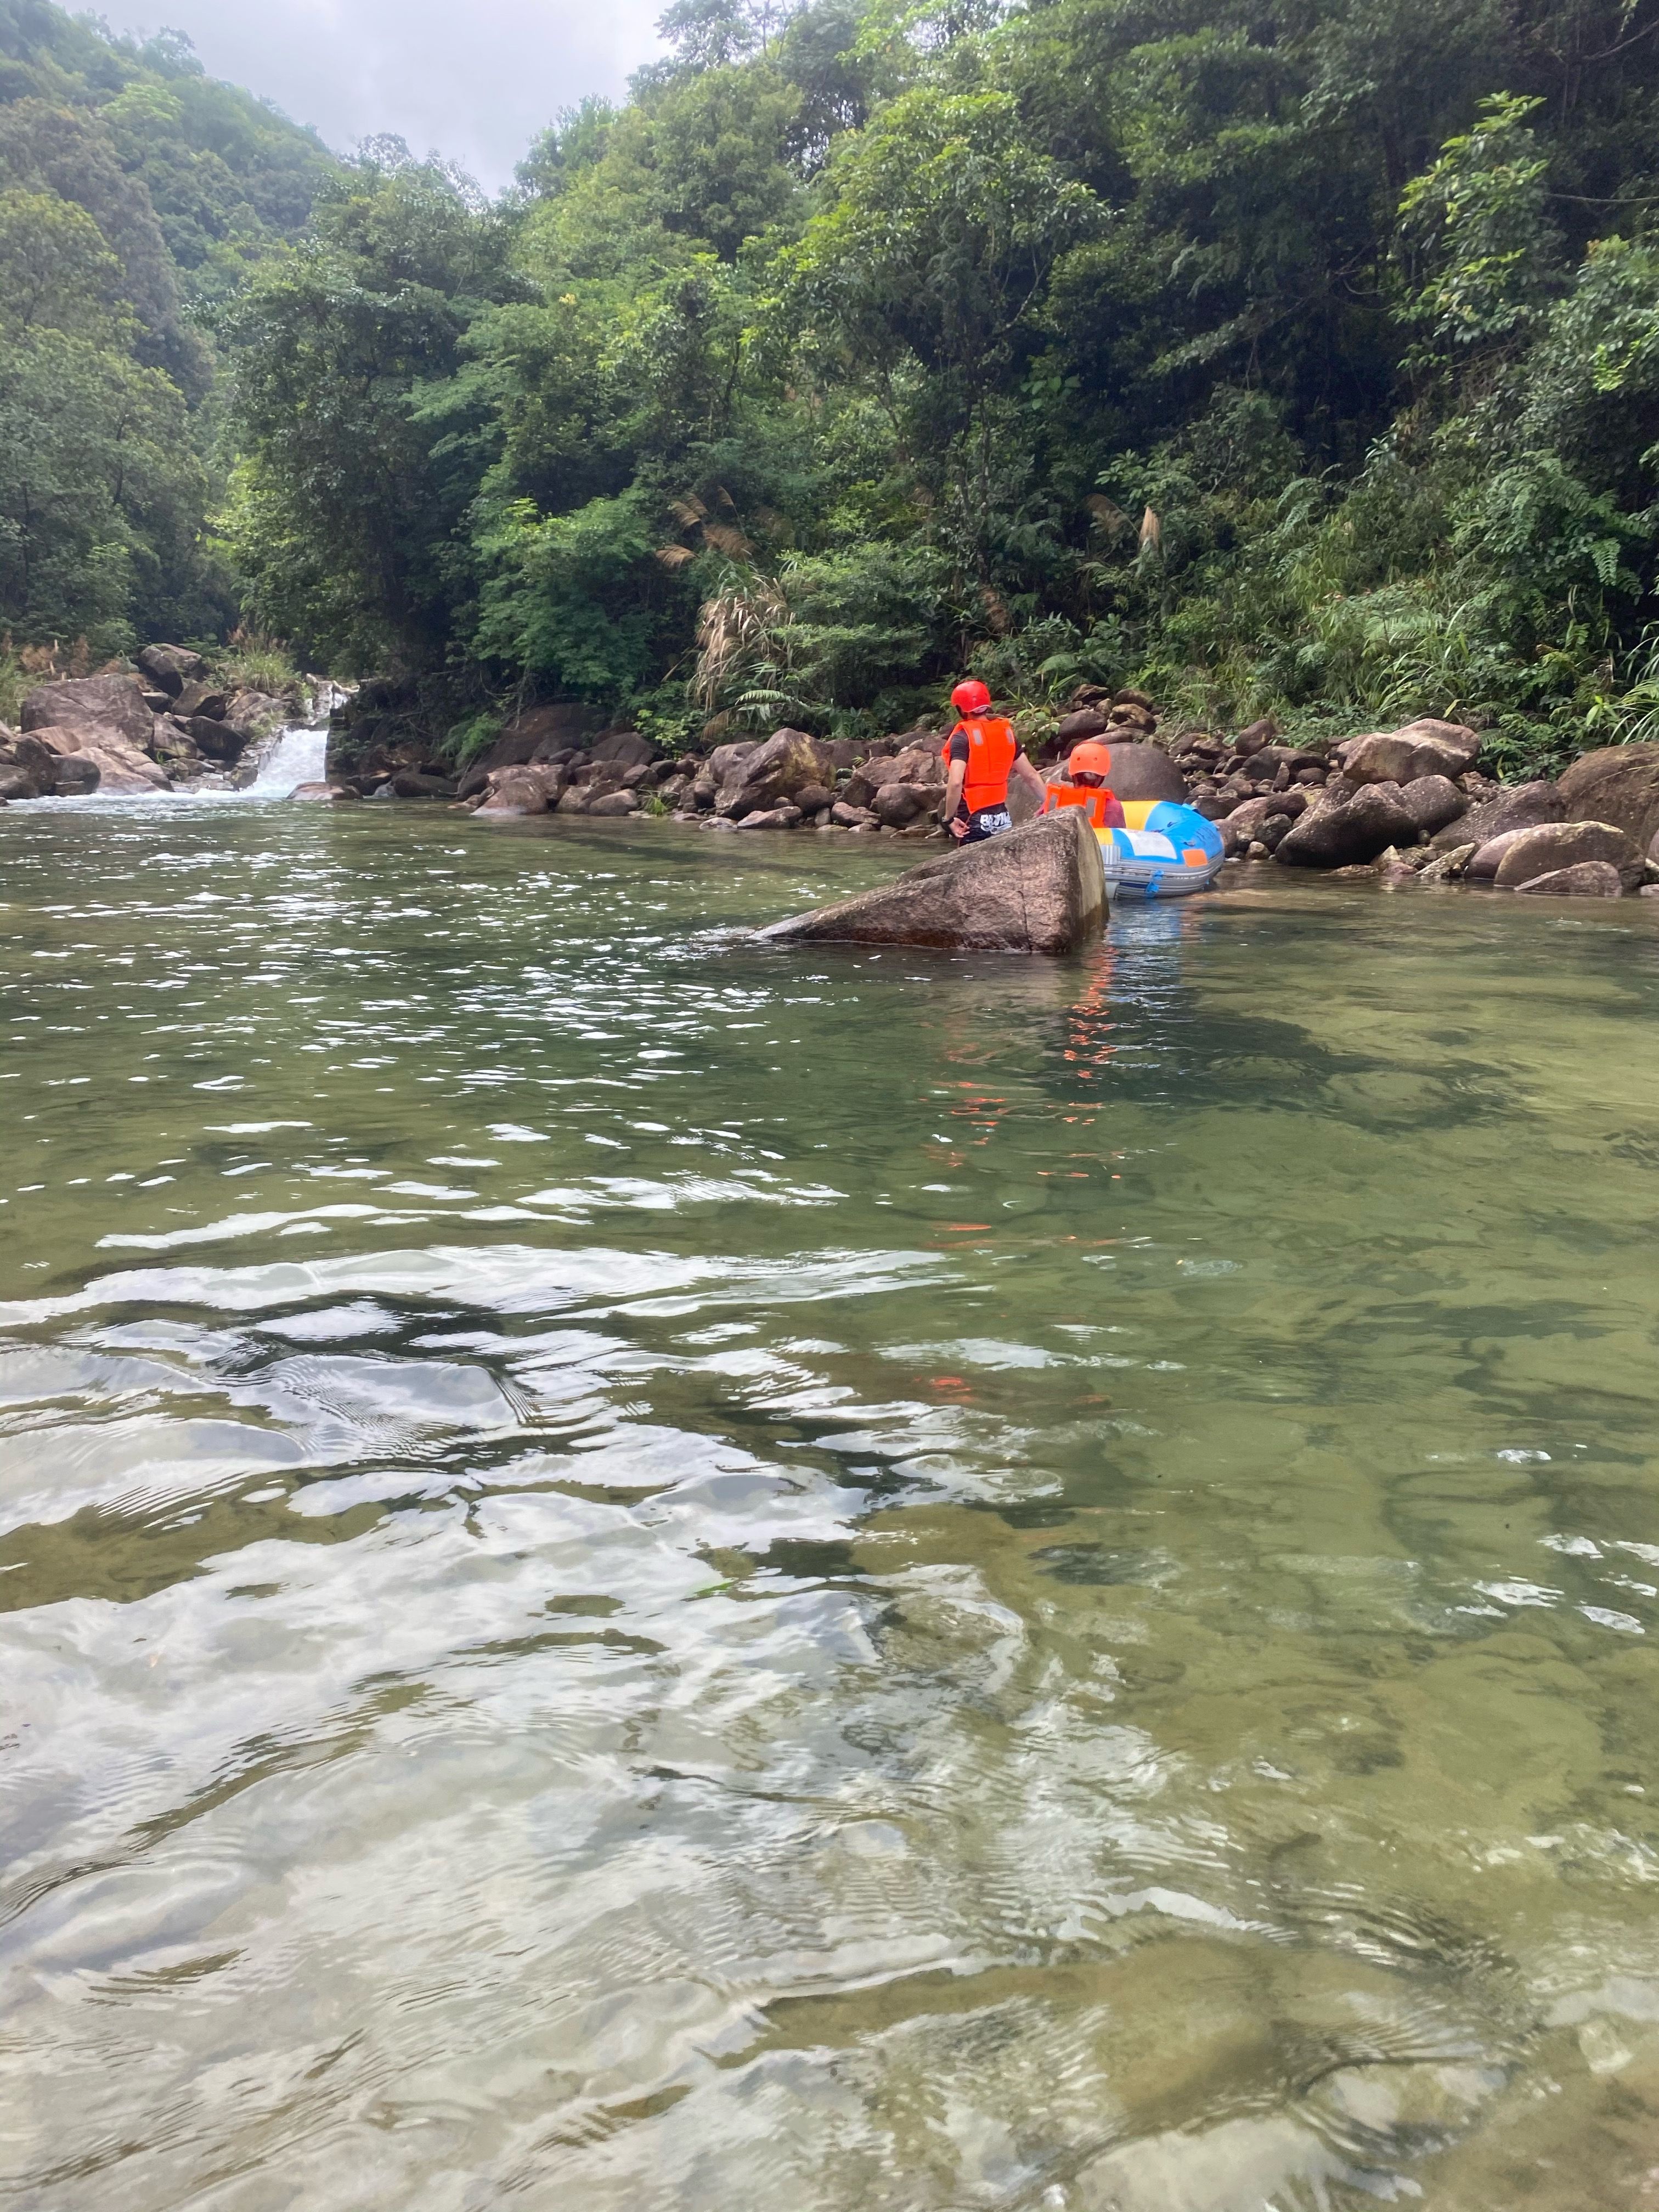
(297, 757)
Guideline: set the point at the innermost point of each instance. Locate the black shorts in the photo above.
(989, 822)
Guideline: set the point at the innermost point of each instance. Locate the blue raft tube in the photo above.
(1164, 851)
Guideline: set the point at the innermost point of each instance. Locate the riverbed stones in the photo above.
(1584, 879)
(110, 704)
(1522, 806)
(1345, 832)
(326, 794)
(1449, 867)
(1620, 785)
(1042, 889)
(1555, 846)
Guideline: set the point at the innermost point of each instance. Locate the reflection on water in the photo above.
(638, 1572)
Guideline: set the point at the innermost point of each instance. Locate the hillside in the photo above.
(135, 195)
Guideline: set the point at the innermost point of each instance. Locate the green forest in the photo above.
(1299, 359)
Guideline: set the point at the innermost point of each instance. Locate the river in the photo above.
(640, 1572)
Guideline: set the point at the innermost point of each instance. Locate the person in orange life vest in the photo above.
(980, 756)
(1086, 786)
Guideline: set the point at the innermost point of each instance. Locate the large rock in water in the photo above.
(1042, 889)
(1345, 832)
(1620, 785)
(1522, 806)
(92, 704)
(1554, 846)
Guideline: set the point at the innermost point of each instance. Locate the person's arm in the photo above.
(953, 783)
(1029, 776)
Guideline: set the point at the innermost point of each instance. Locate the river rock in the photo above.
(612, 805)
(205, 698)
(16, 782)
(1432, 801)
(813, 797)
(898, 804)
(1042, 889)
(1449, 867)
(170, 667)
(1554, 846)
(848, 816)
(1522, 806)
(1347, 832)
(786, 763)
(218, 740)
(772, 817)
(1421, 749)
(1147, 772)
(253, 714)
(331, 794)
(1620, 785)
(1584, 879)
(123, 770)
(91, 703)
(513, 794)
(1085, 722)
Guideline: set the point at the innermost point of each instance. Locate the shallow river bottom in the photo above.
(638, 1572)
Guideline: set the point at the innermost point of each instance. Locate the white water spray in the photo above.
(298, 756)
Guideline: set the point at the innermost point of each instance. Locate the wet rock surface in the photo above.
(1040, 889)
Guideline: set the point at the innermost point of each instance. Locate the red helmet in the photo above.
(1089, 758)
(971, 697)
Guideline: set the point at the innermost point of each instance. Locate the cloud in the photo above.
(476, 83)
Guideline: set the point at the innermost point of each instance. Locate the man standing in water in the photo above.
(980, 755)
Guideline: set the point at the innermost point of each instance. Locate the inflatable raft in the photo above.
(1165, 851)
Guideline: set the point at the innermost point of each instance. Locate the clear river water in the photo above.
(638, 1572)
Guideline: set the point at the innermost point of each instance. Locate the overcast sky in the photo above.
(476, 81)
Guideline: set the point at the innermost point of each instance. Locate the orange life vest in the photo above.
(1104, 813)
(993, 748)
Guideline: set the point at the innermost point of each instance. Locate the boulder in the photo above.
(626, 748)
(1584, 879)
(1522, 806)
(16, 782)
(77, 774)
(111, 704)
(1620, 785)
(1450, 868)
(813, 797)
(898, 804)
(210, 699)
(1147, 772)
(724, 758)
(216, 738)
(1345, 832)
(848, 816)
(773, 817)
(123, 771)
(1085, 722)
(170, 667)
(610, 804)
(415, 783)
(251, 714)
(1422, 747)
(1553, 846)
(540, 732)
(513, 793)
(331, 794)
(1432, 801)
(1042, 889)
(786, 763)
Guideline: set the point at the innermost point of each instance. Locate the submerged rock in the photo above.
(1042, 889)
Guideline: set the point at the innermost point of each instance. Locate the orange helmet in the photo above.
(1089, 758)
(971, 697)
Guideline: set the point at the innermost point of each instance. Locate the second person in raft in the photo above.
(980, 756)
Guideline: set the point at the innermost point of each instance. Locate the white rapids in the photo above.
(299, 756)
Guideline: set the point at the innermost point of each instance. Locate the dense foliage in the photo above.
(1301, 358)
(135, 196)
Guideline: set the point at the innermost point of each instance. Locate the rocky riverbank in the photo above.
(1407, 806)
(167, 724)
